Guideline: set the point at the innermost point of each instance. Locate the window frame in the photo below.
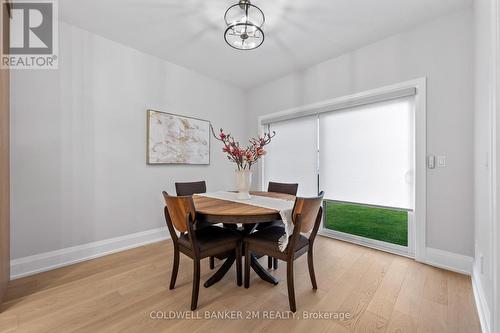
(416, 219)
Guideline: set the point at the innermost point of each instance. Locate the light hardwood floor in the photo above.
(382, 292)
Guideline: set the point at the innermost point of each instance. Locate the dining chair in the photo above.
(190, 188)
(180, 216)
(306, 217)
(286, 188)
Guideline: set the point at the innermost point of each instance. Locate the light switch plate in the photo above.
(441, 161)
(431, 161)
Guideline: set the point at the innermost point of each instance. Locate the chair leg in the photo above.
(238, 265)
(196, 284)
(269, 262)
(310, 263)
(175, 269)
(291, 288)
(275, 263)
(247, 265)
(212, 262)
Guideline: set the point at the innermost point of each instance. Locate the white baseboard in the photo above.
(483, 310)
(366, 242)
(54, 259)
(443, 259)
(448, 260)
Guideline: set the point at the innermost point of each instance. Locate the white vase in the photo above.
(243, 182)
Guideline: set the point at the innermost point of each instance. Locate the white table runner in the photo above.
(283, 206)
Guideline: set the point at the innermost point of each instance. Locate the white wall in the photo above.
(483, 200)
(440, 50)
(78, 142)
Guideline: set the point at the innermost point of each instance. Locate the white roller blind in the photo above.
(341, 103)
(292, 155)
(367, 154)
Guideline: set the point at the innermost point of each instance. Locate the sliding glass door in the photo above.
(363, 157)
(293, 155)
(367, 159)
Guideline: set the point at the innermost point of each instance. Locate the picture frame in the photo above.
(174, 139)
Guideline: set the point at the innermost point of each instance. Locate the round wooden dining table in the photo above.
(231, 214)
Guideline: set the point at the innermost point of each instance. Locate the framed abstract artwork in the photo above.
(176, 139)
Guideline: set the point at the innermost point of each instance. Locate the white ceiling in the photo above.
(299, 33)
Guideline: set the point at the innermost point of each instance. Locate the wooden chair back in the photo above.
(309, 210)
(177, 209)
(283, 188)
(190, 188)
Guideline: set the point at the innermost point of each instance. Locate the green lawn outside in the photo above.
(382, 224)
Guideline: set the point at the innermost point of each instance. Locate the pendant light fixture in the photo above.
(244, 23)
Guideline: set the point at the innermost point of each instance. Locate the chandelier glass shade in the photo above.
(244, 23)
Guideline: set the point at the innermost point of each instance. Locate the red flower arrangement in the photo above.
(244, 158)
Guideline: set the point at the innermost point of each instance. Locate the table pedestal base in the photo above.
(254, 263)
(261, 271)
